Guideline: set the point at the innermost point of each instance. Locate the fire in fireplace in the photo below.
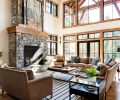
(32, 55)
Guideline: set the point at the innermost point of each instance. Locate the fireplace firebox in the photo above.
(32, 55)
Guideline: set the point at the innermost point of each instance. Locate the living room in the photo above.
(58, 43)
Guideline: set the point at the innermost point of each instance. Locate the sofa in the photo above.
(79, 62)
(16, 83)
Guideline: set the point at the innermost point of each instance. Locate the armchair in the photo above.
(58, 61)
(16, 83)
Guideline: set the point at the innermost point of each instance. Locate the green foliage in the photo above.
(91, 72)
(1, 54)
(43, 61)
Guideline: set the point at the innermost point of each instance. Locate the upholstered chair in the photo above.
(17, 84)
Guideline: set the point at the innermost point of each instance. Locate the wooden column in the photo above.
(101, 47)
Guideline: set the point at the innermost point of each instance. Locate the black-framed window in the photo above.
(51, 8)
(89, 49)
(52, 45)
(110, 49)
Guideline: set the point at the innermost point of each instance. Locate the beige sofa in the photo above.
(83, 63)
(16, 83)
(110, 76)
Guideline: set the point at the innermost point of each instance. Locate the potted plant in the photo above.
(43, 61)
(92, 72)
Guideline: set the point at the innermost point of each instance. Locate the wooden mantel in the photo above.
(26, 30)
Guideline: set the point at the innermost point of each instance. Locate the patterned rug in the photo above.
(61, 87)
(61, 91)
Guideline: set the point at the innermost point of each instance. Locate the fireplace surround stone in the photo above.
(19, 38)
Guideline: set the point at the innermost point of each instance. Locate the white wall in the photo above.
(51, 22)
(5, 22)
(92, 27)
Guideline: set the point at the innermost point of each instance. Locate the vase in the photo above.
(1, 61)
(93, 79)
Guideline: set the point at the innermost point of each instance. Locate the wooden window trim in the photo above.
(101, 16)
(101, 39)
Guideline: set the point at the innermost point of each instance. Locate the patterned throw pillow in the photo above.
(95, 61)
(75, 59)
(103, 70)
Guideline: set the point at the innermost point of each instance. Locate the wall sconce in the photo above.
(60, 39)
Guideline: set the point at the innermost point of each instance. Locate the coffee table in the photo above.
(84, 87)
(68, 69)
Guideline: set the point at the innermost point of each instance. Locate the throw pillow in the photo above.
(75, 59)
(112, 63)
(59, 58)
(95, 61)
(103, 70)
(108, 61)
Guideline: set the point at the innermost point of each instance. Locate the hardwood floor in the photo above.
(113, 93)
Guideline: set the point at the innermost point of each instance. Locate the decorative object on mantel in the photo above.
(1, 54)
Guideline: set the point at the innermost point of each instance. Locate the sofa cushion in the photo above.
(75, 59)
(84, 60)
(95, 61)
(59, 58)
(103, 70)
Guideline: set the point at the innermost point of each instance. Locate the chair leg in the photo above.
(105, 95)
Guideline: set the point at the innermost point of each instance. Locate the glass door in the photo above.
(83, 49)
(89, 49)
(94, 49)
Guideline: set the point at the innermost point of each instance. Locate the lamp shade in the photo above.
(118, 50)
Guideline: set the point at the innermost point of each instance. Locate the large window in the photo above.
(89, 49)
(69, 50)
(79, 12)
(111, 9)
(52, 45)
(69, 14)
(110, 49)
(51, 8)
(88, 11)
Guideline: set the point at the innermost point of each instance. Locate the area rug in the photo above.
(61, 91)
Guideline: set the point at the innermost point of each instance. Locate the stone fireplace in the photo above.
(26, 46)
